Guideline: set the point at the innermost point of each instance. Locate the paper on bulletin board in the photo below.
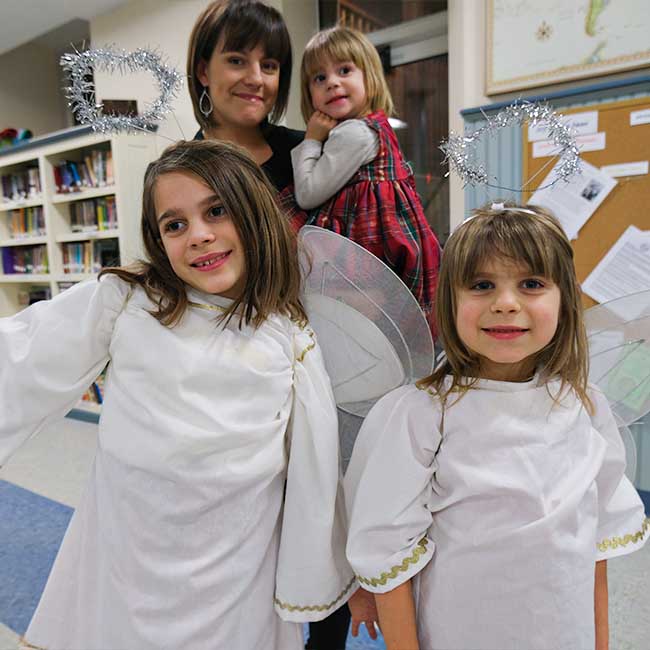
(640, 117)
(581, 124)
(624, 270)
(574, 202)
(619, 170)
(589, 142)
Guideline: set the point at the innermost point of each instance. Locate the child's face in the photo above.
(243, 86)
(506, 315)
(338, 89)
(199, 237)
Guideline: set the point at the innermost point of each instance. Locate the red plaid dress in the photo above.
(379, 209)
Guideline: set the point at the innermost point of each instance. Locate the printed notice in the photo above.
(626, 169)
(640, 117)
(625, 269)
(574, 202)
(580, 123)
(591, 142)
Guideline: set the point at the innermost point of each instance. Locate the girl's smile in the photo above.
(198, 235)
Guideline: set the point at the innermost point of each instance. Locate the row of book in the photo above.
(95, 170)
(25, 259)
(21, 184)
(90, 256)
(95, 394)
(26, 222)
(93, 215)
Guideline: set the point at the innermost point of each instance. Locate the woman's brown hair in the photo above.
(238, 26)
(271, 260)
(536, 241)
(345, 44)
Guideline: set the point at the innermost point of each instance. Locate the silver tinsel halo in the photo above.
(460, 150)
(81, 91)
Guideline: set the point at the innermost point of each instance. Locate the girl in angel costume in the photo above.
(212, 503)
(485, 501)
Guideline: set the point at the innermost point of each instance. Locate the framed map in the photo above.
(539, 42)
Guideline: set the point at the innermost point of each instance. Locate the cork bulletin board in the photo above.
(629, 201)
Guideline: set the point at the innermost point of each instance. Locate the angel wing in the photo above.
(371, 329)
(618, 332)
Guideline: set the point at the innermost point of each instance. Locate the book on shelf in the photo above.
(94, 170)
(32, 295)
(93, 215)
(26, 222)
(90, 256)
(95, 393)
(25, 259)
(21, 184)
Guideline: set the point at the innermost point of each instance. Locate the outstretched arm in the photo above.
(397, 618)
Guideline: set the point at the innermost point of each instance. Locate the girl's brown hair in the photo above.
(536, 241)
(238, 26)
(344, 44)
(271, 261)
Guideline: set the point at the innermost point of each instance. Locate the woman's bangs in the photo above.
(245, 32)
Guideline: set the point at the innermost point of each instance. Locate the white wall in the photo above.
(467, 26)
(166, 26)
(30, 96)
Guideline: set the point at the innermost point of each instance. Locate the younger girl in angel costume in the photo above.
(350, 174)
(485, 501)
(217, 436)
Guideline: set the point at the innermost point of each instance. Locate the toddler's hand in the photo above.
(363, 609)
(319, 126)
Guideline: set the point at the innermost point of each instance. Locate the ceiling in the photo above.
(23, 20)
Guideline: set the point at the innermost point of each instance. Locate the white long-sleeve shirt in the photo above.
(320, 170)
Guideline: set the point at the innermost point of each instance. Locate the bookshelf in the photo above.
(55, 236)
(61, 237)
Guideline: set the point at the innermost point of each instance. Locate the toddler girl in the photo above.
(350, 175)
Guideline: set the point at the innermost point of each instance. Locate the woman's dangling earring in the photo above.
(205, 103)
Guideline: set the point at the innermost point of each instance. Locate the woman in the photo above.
(239, 72)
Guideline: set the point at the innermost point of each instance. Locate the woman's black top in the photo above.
(281, 140)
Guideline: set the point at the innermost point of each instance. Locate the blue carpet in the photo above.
(31, 530)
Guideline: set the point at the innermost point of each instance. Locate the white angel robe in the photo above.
(499, 520)
(185, 537)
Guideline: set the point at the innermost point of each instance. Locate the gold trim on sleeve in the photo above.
(313, 608)
(311, 346)
(615, 542)
(419, 550)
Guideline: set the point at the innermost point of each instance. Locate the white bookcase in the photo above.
(130, 156)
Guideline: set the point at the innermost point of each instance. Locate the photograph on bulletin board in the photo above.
(560, 41)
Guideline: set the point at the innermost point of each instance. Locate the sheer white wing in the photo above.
(372, 332)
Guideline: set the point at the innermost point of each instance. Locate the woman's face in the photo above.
(243, 85)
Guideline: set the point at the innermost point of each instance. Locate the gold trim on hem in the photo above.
(419, 550)
(615, 542)
(24, 644)
(313, 608)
